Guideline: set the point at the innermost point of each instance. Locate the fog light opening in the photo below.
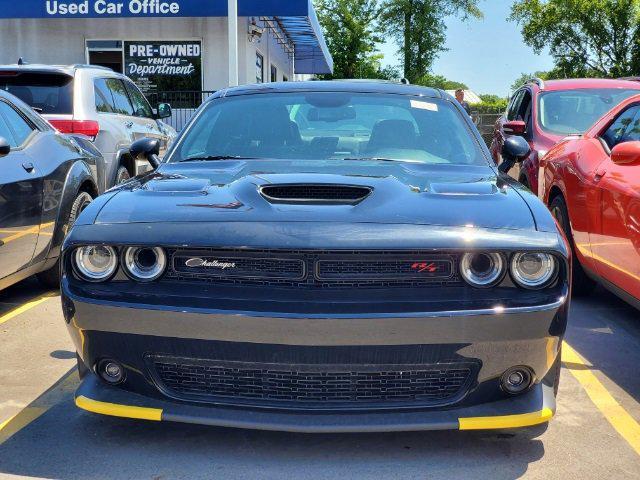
(111, 371)
(516, 380)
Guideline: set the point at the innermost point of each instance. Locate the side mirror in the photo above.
(514, 150)
(515, 127)
(626, 153)
(146, 148)
(164, 111)
(5, 148)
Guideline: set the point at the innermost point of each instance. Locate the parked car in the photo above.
(96, 102)
(46, 180)
(320, 256)
(544, 112)
(592, 186)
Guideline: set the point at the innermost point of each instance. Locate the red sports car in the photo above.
(544, 112)
(591, 183)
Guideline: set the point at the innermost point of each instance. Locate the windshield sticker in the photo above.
(424, 105)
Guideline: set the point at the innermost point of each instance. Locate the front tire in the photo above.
(51, 277)
(123, 175)
(582, 284)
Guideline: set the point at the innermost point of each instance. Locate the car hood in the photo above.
(400, 193)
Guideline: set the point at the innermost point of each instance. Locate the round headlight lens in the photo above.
(96, 263)
(533, 269)
(482, 269)
(145, 264)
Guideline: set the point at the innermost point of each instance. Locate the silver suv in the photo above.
(96, 102)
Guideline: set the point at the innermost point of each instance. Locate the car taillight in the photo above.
(90, 128)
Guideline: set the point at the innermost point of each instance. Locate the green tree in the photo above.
(525, 77)
(418, 28)
(491, 103)
(438, 81)
(586, 38)
(350, 28)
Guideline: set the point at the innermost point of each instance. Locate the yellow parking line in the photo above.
(26, 307)
(53, 396)
(617, 416)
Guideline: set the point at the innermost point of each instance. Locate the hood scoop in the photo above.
(315, 193)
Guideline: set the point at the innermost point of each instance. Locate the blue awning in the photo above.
(311, 53)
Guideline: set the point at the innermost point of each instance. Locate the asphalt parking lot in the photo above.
(595, 433)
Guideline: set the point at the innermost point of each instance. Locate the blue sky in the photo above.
(487, 55)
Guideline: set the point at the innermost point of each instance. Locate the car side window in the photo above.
(625, 128)
(141, 107)
(5, 132)
(122, 104)
(514, 106)
(104, 99)
(20, 129)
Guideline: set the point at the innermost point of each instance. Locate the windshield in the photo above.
(331, 126)
(45, 93)
(574, 111)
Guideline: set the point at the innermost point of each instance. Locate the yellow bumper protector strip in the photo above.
(115, 410)
(506, 421)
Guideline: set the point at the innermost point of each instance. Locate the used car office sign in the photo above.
(148, 8)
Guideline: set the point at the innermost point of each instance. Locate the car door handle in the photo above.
(151, 126)
(600, 172)
(28, 166)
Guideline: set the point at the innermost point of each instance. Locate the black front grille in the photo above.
(315, 193)
(379, 268)
(246, 266)
(313, 269)
(310, 385)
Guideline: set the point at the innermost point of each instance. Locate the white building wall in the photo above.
(62, 41)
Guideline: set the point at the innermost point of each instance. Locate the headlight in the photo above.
(482, 269)
(533, 270)
(95, 263)
(144, 264)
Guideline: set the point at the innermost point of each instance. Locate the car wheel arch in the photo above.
(123, 159)
(79, 179)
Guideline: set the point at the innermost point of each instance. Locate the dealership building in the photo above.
(170, 45)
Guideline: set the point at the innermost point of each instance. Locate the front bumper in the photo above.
(494, 340)
(533, 408)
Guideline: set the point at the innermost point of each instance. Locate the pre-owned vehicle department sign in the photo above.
(147, 8)
(164, 65)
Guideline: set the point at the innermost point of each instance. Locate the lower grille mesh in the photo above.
(327, 384)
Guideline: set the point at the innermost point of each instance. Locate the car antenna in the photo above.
(405, 81)
(21, 61)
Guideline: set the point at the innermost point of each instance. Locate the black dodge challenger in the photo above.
(318, 257)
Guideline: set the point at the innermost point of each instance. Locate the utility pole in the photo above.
(232, 20)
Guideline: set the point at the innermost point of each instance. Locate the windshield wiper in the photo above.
(206, 158)
(379, 159)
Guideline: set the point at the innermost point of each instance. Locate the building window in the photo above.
(274, 73)
(259, 68)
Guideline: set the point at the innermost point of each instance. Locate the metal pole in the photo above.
(232, 18)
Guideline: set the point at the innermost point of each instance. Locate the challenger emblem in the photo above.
(425, 267)
(200, 262)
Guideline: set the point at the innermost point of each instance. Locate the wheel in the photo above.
(51, 277)
(122, 175)
(582, 284)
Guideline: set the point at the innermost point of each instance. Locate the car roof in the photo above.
(354, 86)
(60, 69)
(578, 83)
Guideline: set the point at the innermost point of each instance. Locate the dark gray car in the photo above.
(46, 180)
(320, 256)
